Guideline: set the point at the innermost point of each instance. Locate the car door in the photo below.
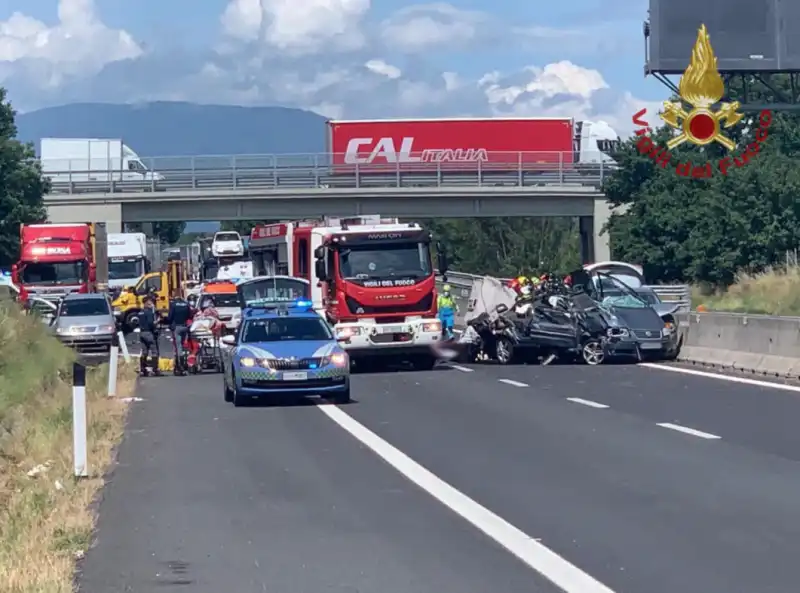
(551, 328)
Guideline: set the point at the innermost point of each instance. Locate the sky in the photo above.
(341, 58)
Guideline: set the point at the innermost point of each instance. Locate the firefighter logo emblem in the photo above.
(701, 87)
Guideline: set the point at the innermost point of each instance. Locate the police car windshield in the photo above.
(286, 329)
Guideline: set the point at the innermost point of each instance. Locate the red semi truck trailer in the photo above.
(491, 143)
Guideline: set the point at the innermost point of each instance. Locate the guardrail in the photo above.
(670, 293)
(325, 170)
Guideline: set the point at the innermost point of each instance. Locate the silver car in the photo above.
(85, 322)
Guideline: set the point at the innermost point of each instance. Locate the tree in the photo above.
(243, 227)
(706, 230)
(22, 186)
(168, 232)
(509, 246)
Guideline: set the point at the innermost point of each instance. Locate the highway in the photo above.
(469, 479)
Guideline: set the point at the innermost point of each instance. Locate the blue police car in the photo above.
(284, 350)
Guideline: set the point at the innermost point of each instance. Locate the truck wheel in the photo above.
(424, 363)
(128, 323)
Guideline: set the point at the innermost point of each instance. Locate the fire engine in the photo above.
(372, 278)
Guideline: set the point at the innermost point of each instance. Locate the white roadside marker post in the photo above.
(79, 446)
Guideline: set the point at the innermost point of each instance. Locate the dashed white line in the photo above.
(514, 383)
(687, 430)
(540, 558)
(741, 380)
(587, 402)
(462, 369)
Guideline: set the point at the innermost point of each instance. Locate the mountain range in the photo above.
(181, 129)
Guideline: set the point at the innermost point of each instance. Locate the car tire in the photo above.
(227, 392)
(504, 351)
(240, 400)
(592, 352)
(342, 397)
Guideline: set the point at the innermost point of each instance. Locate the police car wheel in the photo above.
(239, 400)
(342, 397)
(227, 392)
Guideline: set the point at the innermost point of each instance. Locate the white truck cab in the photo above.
(127, 259)
(81, 160)
(595, 142)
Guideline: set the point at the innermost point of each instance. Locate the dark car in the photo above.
(637, 327)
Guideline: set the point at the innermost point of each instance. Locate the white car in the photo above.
(227, 243)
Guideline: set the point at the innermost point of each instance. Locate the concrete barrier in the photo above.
(752, 343)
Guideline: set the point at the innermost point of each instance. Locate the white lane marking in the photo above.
(514, 383)
(687, 430)
(540, 558)
(462, 369)
(587, 402)
(742, 380)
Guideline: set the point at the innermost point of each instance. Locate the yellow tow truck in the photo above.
(164, 286)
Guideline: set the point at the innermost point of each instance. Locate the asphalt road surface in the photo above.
(620, 478)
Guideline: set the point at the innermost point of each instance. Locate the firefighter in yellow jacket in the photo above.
(448, 308)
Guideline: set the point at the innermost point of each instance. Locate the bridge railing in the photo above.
(320, 171)
(680, 294)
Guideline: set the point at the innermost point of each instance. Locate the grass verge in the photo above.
(45, 517)
(774, 292)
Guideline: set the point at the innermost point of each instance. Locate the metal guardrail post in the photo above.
(358, 175)
(561, 168)
(520, 176)
(234, 175)
(194, 173)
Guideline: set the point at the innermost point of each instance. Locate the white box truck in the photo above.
(127, 259)
(79, 160)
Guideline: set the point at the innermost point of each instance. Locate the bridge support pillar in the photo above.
(111, 214)
(594, 243)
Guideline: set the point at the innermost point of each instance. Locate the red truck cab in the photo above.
(55, 260)
(373, 279)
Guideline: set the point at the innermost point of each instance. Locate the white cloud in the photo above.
(78, 44)
(309, 54)
(384, 69)
(300, 27)
(418, 28)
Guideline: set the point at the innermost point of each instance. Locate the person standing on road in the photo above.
(178, 318)
(148, 337)
(448, 308)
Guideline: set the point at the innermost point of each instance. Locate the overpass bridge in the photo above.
(263, 187)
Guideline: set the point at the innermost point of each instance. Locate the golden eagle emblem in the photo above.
(701, 86)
